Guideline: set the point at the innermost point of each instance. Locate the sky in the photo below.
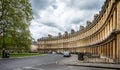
(54, 16)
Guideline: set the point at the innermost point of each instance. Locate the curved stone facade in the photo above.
(101, 36)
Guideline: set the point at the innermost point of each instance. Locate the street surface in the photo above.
(44, 62)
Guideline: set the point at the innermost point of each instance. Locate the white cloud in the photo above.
(61, 15)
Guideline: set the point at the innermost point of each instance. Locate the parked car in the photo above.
(66, 54)
(53, 52)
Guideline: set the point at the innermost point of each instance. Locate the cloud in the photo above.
(53, 16)
(84, 4)
(38, 5)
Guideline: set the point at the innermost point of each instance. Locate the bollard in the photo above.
(81, 56)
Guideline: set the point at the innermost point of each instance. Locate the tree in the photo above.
(15, 17)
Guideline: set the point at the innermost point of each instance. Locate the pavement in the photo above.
(73, 61)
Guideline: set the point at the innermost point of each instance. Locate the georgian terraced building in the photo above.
(101, 36)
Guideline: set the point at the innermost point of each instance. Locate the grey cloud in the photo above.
(40, 5)
(55, 6)
(53, 25)
(50, 24)
(77, 21)
(50, 30)
(86, 4)
(68, 28)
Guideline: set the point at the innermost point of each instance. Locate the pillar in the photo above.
(114, 50)
(118, 35)
(111, 49)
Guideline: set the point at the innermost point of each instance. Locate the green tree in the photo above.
(15, 17)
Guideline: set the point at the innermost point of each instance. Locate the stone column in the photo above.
(110, 50)
(104, 50)
(118, 48)
(92, 50)
(100, 50)
(114, 19)
(118, 15)
(114, 50)
(118, 35)
(107, 50)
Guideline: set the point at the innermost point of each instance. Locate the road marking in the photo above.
(27, 67)
(70, 66)
(18, 69)
(57, 62)
(33, 68)
(38, 68)
(30, 67)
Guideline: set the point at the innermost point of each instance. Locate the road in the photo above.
(44, 62)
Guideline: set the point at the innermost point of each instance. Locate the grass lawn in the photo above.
(14, 55)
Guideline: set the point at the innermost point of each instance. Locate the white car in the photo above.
(53, 52)
(66, 54)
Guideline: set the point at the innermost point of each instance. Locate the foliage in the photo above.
(15, 16)
(14, 55)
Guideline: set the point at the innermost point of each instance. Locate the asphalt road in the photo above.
(45, 62)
